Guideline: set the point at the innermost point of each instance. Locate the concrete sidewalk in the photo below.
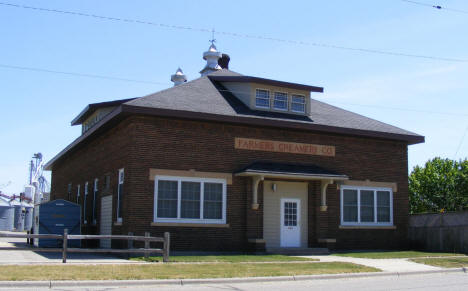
(386, 265)
(31, 257)
(13, 257)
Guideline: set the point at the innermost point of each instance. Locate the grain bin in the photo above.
(7, 214)
(54, 217)
(19, 214)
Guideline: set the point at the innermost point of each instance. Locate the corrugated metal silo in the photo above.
(7, 215)
(54, 217)
(19, 215)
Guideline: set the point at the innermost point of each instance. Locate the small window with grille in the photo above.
(262, 98)
(281, 101)
(290, 214)
(298, 103)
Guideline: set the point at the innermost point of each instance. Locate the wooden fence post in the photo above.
(65, 243)
(147, 244)
(167, 241)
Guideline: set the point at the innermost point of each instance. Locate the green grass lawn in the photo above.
(172, 271)
(444, 262)
(394, 254)
(227, 259)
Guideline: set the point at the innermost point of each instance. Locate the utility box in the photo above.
(54, 217)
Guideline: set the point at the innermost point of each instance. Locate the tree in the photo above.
(441, 185)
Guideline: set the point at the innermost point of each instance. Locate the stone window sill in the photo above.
(118, 223)
(367, 227)
(178, 224)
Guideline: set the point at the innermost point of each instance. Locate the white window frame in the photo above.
(179, 181)
(121, 180)
(305, 103)
(95, 190)
(359, 223)
(269, 98)
(274, 99)
(84, 202)
(78, 194)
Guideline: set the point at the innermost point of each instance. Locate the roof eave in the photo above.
(130, 109)
(91, 108)
(246, 79)
(410, 139)
(291, 175)
(80, 117)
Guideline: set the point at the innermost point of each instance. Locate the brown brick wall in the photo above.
(97, 158)
(143, 142)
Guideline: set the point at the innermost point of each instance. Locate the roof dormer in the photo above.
(269, 95)
(95, 112)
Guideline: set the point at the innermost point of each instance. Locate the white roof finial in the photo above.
(179, 77)
(211, 56)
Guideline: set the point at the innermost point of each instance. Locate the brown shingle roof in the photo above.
(206, 95)
(205, 98)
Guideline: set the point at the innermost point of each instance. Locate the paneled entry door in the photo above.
(106, 221)
(290, 222)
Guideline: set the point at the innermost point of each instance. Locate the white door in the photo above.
(106, 221)
(290, 222)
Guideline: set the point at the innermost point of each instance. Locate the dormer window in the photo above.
(262, 98)
(298, 103)
(281, 101)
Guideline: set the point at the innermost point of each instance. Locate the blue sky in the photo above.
(426, 96)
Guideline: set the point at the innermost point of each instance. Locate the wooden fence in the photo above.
(446, 232)
(147, 239)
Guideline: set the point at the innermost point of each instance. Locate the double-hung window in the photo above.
(85, 198)
(189, 200)
(120, 195)
(78, 194)
(262, 98)
(366, 206)
(281, 101)
(95, 195)
(298, 103)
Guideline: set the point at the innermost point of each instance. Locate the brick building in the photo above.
(229, 162)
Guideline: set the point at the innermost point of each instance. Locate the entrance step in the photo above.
(298, 251)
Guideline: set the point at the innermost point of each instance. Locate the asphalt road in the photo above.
(427, 282)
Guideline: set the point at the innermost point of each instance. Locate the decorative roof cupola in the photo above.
(179, 77)
(211, 56)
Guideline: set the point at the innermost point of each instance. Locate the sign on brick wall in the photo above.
(283, 147)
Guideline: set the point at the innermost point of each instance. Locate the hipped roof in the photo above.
(206, 98)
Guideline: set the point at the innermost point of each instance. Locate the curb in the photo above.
(114, 283)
